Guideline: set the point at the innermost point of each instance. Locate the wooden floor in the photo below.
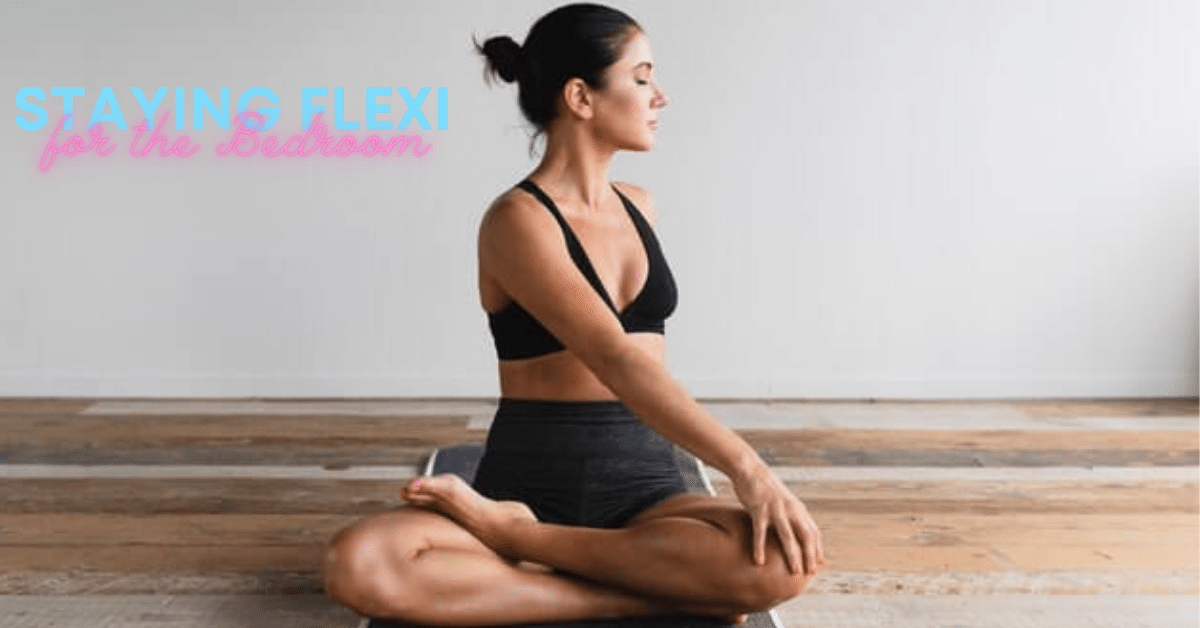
(214, 513)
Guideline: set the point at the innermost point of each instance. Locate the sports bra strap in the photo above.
(573, 244)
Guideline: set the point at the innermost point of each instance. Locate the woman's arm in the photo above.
(524, 249)
(644, 384)
(662, 395)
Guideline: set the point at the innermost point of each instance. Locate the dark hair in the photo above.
(575, 40)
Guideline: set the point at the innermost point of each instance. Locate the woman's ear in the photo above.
(577, 97)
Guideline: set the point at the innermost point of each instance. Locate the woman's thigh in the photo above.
(719, 511)
(723, 513)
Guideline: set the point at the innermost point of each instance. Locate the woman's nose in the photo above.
(662, 99)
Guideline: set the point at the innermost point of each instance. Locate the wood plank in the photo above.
(393, 473)
(785, 454)
(40, 406)
(992, 448)
(896, 542)
(373, 440)
(191, 611)
(364, 497)
(983, 611)
(224, 496)
(202, 428)
(881, 581)
(164, 582)
(1047, 408)
(919, 416)
(929, 542)
(976, 440)
(348, 406)
(841, 583)
(77, 530)
(1038, 408)
(405, 451)
(993, 498)
(29, 427)
(411, 450)
(805, 611)
(164, 559)
(843, 474)
(1034, 408)
(332, 457)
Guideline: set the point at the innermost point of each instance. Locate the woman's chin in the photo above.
(638, 147)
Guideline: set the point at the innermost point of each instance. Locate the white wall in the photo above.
(868, 198)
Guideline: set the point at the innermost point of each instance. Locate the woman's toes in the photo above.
(447, 493)
(412, 488)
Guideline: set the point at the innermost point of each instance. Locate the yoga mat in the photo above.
(463, 460)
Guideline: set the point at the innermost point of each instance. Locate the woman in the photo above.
(577, 510)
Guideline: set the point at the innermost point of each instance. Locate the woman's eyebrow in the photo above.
(647, 64)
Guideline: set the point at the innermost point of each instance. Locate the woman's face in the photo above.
(626, 111)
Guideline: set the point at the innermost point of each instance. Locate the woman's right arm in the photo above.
(522, 246)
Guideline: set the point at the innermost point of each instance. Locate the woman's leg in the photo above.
(421, 567)
(695, 549)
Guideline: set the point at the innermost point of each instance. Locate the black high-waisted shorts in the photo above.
(584, 463)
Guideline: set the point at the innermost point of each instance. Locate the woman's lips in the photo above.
(654, 124)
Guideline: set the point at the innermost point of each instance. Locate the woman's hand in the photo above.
(771, 505)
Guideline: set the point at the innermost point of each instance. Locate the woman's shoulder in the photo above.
(513, 203)
(641, 199)
(515, 209)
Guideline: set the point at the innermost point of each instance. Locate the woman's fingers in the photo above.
(820, 549)
(791, 548)
(808, 536)
(772, 507)
(810, 551)
(760, 524)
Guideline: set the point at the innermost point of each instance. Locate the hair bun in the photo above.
(504, 55)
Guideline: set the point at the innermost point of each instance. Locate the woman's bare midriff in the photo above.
(562, 376)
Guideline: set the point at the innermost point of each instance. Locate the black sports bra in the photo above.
(517, 334)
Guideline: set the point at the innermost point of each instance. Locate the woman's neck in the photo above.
(577, 172)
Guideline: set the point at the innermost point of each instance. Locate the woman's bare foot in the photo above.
(487, 519)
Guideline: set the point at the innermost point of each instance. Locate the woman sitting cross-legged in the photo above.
(578, 510)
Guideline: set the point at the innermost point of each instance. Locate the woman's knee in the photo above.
(355, 565)
(755, 587)
(776, 585)
(773, 582)
(365, 564)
